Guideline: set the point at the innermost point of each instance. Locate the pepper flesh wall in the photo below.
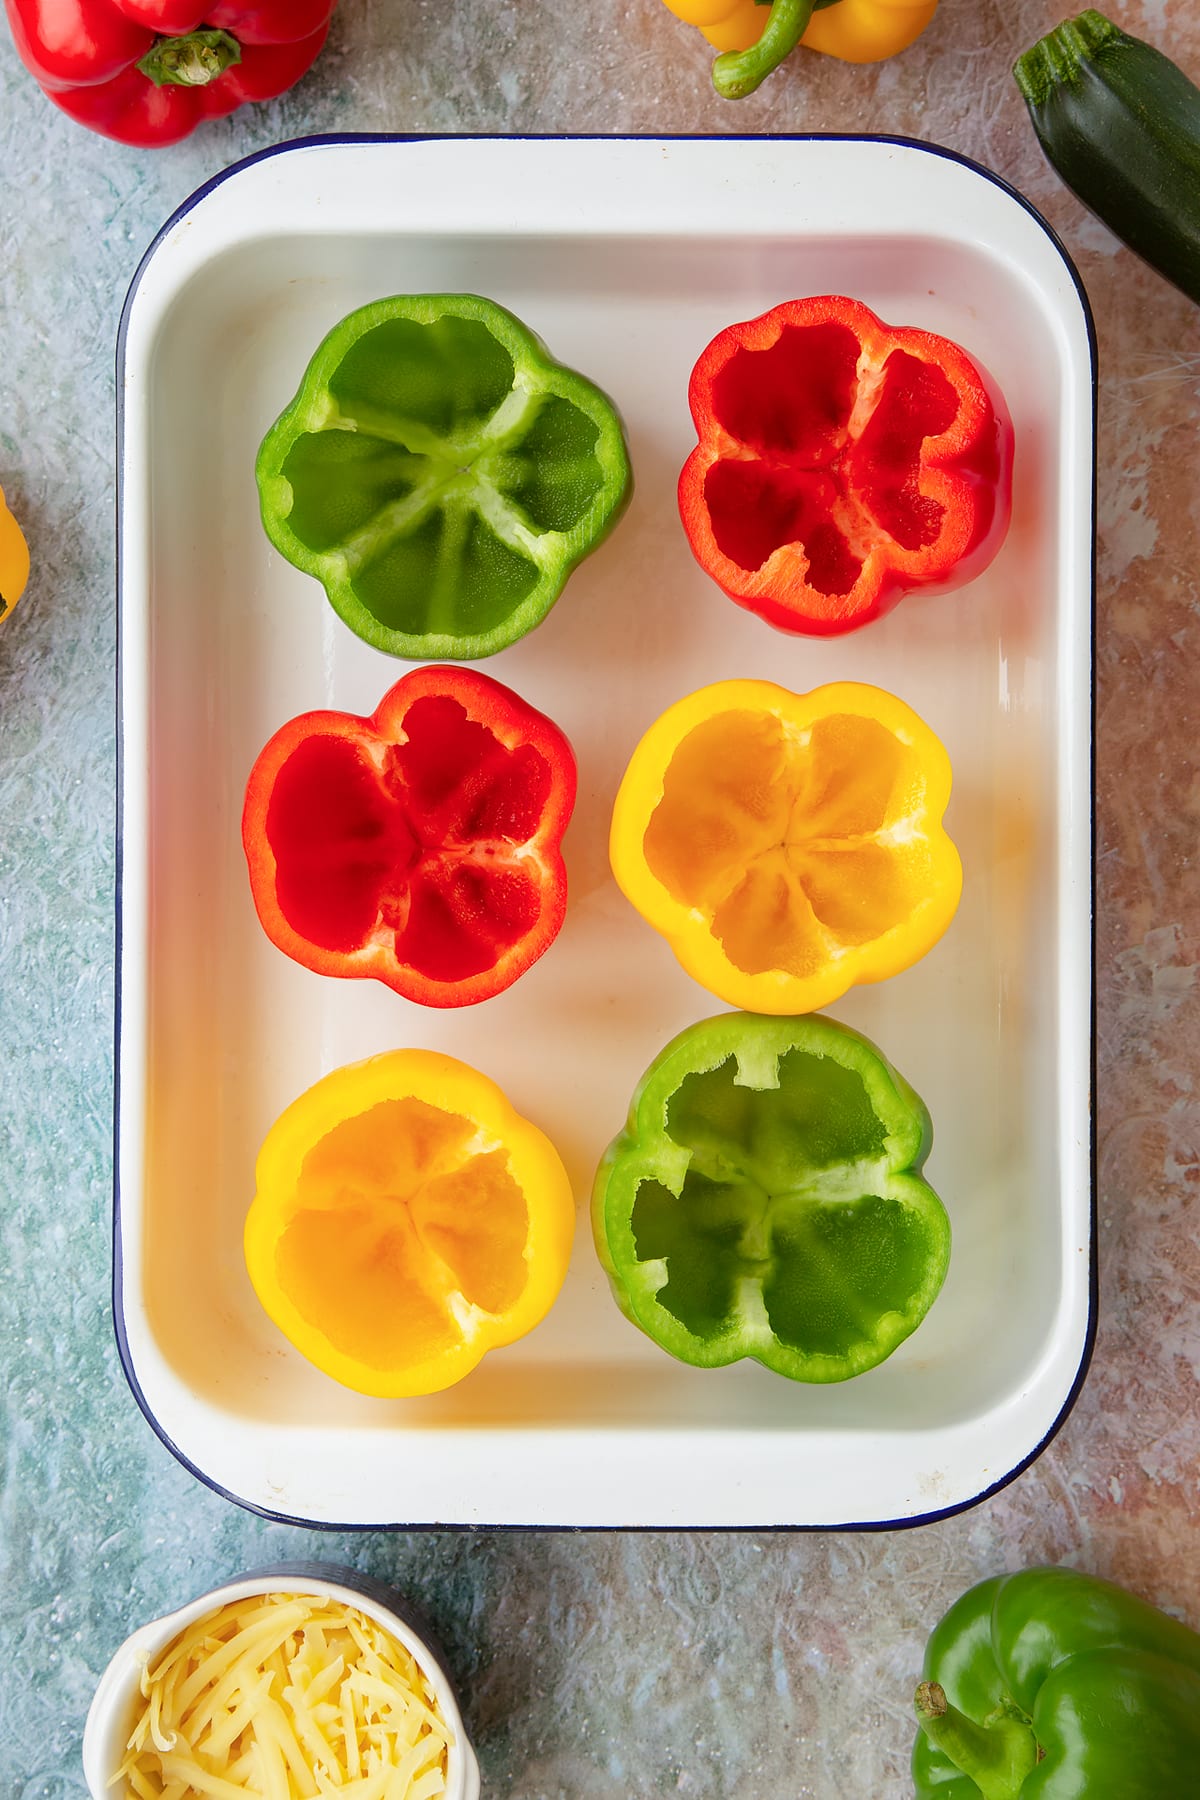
(765, 1200)
(842, 463)
(407, 1220)
(441, 475)
(788, 846)
(421, 846)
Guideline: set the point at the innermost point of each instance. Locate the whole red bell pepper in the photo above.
(148, 72)
(421, 845)
(842, 463)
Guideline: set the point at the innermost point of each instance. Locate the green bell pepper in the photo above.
(1054, 1685)
(765, 1200)
(441, 475)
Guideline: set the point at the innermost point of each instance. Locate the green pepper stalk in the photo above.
(738, 72)
(192, 60)
(997, 1755)
(1051, 1684)
(864, 31)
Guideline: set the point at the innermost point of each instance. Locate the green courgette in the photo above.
(1120, 122)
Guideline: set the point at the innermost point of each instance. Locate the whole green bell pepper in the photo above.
(765, 1200)
(1054, 1685)
(441, 475)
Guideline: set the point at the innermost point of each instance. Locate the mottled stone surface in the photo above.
(614, 1665)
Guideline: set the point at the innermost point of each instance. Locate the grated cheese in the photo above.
(281, 1697)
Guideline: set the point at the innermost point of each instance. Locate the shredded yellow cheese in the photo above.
(281, 1697)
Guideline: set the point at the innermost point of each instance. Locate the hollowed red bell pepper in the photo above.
(420, 846)
(842, 463)
(148, 72)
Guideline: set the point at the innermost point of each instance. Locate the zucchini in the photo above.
(1120, 122)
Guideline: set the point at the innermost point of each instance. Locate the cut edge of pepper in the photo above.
(902, 1160)
(456, 1088)
(331, 567)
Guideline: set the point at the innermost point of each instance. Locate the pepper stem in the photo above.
(997, 1756)
(192, 60)
(1059, 56)
(738, 72)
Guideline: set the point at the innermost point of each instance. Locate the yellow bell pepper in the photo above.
(14, 560)
(727, 24)
(788, 845)
(407, 1221)
(754, 41)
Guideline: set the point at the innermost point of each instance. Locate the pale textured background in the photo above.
(597, 1666)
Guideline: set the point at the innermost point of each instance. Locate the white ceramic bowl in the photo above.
(626, 256)
(107, 1727)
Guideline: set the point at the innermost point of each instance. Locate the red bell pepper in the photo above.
(149, 71)
(420, 846)
(842, 463)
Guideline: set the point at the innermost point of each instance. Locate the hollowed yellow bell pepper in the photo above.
(14, 560)
(788, 845)
(407, 1221)
(754, 41)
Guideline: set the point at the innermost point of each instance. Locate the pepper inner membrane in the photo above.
(786, 1196)
(431, 851)
(819, 475)
(439, 476)
(395, 1221)
(794, 847)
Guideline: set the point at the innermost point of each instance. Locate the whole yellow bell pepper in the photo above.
(14, 560)
(407, 1221)
(788, 845)
(859, 31)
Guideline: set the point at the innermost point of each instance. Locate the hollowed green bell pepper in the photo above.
(441, 475)
(1054, 1685)
(765, 1200)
